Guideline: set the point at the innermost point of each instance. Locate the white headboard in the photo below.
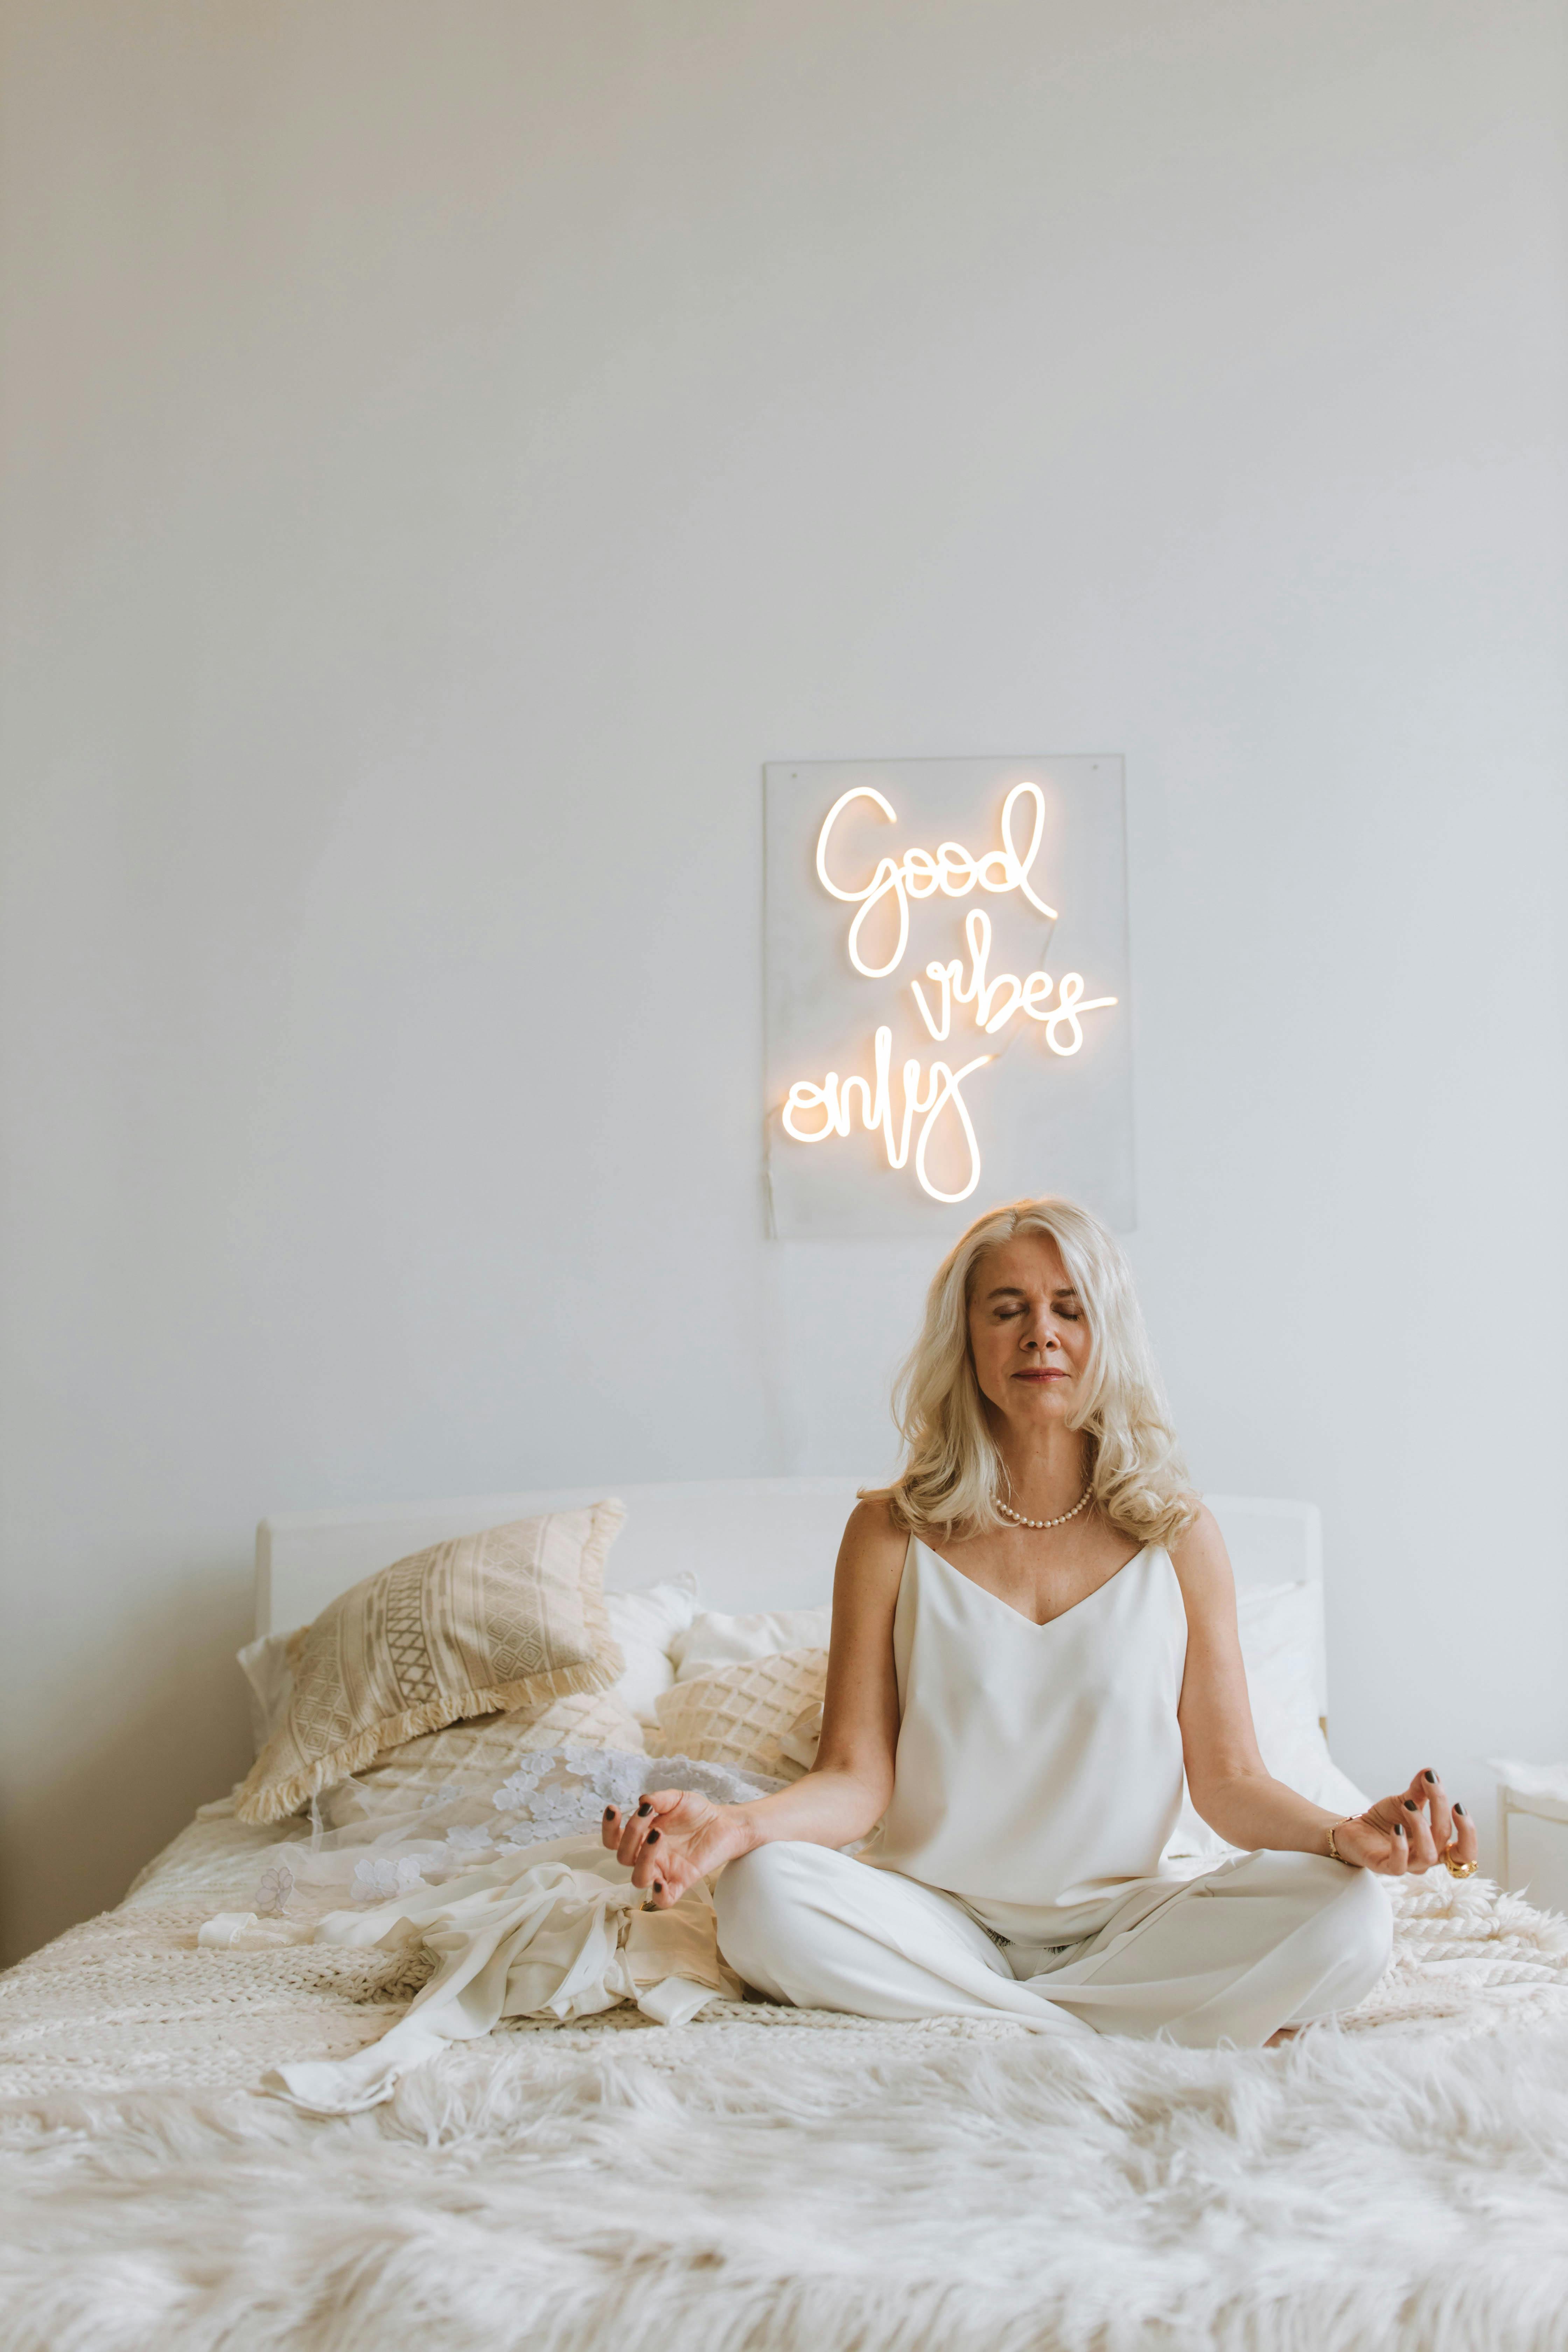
(755, 1543)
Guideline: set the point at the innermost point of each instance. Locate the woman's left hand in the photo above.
(1414, 1831)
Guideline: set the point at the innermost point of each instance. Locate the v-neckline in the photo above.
(1036, 1624)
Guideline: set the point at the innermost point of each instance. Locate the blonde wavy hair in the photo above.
(953, 1469)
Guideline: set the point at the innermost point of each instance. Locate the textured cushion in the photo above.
(484, 1624)
(473, 1757)
(745, 1714)
(713, 1639)
(644, 1624)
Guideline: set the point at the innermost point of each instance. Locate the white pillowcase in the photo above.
(644, 1623)
(711, 1639)
(1278, 1642)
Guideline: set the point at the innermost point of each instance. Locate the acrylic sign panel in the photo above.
(947, 1022)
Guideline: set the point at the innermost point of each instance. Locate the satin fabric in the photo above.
(557, 1931)
(1039, 1771)
(1017, 1870)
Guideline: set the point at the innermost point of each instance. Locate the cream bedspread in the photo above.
(129, 1999)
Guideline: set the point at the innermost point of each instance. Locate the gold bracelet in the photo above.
(1333, 1849)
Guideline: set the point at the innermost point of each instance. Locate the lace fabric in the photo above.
(554, 1792)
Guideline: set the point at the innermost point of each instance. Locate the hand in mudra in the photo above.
(672, 1840)
(1414, 1831)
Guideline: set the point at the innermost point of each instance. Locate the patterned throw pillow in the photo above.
(511, 1618)
(473, 1759)
(643, 1622)
(758, 1714)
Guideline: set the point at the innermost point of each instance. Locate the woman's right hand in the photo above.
(673, 1839)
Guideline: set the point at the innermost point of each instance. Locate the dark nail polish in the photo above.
(1458, 1807)
(609, 1813)
(1399, 1829)
(1410, 1804)
(659, 1886)
(644, 1810)
(652, 1837)
(1430, 1776)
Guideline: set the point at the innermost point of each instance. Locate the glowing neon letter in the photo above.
(944, 973)
(856, 793)
(927, 1104)
(952, 871)
(950, 1082)
(804, 1095)
(1018, 867)
(1071, 1003)
(889, 877)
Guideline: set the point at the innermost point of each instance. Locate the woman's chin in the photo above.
(1037, 1406)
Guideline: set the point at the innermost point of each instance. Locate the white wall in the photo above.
(450, 450)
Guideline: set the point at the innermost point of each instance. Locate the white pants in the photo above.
(1268, 1940)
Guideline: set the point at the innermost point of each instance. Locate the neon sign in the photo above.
(918, 873)
(954, 872)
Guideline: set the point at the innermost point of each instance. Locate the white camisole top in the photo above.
(1038, 1774)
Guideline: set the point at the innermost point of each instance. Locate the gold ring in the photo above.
(1460, 1869)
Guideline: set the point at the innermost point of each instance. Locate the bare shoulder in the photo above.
(874, 1544)
(871, 1529)
(1201, 1560)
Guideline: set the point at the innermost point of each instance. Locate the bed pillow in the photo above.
(711, 1639)
(751, 1714)
(475, 1756)
(1279, 1641)
(481, 1624)
(645, 1624)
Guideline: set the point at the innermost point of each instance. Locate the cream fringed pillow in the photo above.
(511, 1618)
(757, 1715)
(473, 1759)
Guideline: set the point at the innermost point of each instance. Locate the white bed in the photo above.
(769, 2178)
(753, 1543)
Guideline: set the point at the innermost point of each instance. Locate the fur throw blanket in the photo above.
(780, 2181)
(670, 2190)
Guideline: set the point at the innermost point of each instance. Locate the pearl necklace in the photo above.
(1020, 1521)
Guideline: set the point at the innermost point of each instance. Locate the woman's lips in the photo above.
(1052, 1375)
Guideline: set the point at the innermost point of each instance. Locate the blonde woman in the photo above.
(1034, 1634)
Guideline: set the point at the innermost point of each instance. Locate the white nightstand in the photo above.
(1532, 1838)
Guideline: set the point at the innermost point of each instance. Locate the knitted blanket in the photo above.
(128, 2000)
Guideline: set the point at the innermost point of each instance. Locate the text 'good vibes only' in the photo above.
(814, 1111)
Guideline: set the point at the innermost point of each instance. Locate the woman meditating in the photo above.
(1033, 1635)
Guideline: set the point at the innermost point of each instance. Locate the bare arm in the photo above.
(1229, 1783)
(675, 1838)
(1232, 1787)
